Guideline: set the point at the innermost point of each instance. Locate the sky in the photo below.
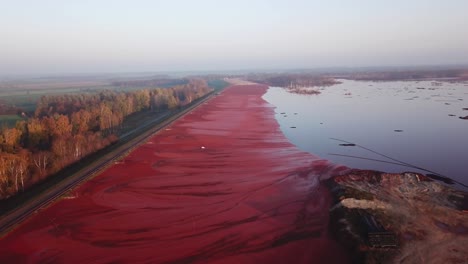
(97, 36)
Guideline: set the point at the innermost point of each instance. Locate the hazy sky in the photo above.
(74, 36)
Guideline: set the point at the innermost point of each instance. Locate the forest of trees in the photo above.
(158, 82)
(66, 128)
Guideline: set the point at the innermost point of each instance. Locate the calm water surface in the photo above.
(408, 121)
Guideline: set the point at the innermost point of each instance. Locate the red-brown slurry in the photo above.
(221, 185)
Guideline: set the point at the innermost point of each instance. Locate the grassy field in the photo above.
(9, 120)
(218, 84)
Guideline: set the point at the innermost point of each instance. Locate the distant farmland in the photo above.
(24, 93)
(9, 120)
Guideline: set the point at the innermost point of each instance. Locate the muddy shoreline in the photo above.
(221, 185)
(394, 218)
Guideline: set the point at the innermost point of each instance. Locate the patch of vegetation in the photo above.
(26, 103)
(152, 83)
(217, 84)
(9, 120)
(293, 81)
(26, 100)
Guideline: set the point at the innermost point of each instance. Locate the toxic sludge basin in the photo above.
(221, 185)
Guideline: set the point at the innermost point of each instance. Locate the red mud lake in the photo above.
(220, 185)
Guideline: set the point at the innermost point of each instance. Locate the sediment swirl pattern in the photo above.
(221, 185)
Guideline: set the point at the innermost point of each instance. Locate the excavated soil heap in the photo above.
(220, 185)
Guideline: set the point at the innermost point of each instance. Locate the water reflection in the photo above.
(414, 122)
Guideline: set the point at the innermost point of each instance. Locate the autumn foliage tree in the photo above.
(66, 128)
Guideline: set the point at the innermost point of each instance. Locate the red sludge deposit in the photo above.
(220, 185)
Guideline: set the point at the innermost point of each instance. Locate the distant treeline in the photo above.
(293, 81)
(66, 128)
(160, 82)
(459, 74)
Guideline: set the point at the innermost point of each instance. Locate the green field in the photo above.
(27, 99)
(9, 120)
(217, 84)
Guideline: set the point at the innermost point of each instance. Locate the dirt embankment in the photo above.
(221, 185)
(399, 218)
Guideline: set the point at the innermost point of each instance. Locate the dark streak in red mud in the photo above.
(248, 196)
